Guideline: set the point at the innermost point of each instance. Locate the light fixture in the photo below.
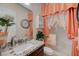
(27, 3)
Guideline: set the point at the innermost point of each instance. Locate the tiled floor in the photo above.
(57, 53)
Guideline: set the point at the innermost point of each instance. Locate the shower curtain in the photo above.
(71, 28)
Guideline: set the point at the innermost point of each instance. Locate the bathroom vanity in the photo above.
(29, 48)
(38, 52)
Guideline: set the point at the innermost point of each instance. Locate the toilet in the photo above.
(48, 50)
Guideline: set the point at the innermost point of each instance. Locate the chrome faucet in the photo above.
(13, 42)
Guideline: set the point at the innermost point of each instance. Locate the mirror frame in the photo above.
(78, 13)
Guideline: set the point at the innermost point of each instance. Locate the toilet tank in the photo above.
(52, 40)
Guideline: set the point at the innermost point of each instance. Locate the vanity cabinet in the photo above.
(38, 52)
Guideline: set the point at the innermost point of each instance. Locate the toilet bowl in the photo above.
(48, 51)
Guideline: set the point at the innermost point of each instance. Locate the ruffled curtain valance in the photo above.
(53, 8)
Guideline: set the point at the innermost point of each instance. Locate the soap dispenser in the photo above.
(12, 41)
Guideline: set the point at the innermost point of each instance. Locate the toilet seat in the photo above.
(48, 51)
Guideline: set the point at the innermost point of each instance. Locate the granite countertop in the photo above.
(24, 48)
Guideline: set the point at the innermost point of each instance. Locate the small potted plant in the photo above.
(40, 36)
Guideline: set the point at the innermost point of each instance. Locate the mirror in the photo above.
(17, 32)
(20, 28)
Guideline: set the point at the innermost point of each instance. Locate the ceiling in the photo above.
(31, 6)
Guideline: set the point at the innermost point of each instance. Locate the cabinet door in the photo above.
(38, 52)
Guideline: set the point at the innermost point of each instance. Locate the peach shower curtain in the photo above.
(44, 13)
(56, 8)
(71, 24)
(72, 30)
(30, 19)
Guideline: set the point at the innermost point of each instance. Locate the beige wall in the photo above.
(35, 7)
(21, 13)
